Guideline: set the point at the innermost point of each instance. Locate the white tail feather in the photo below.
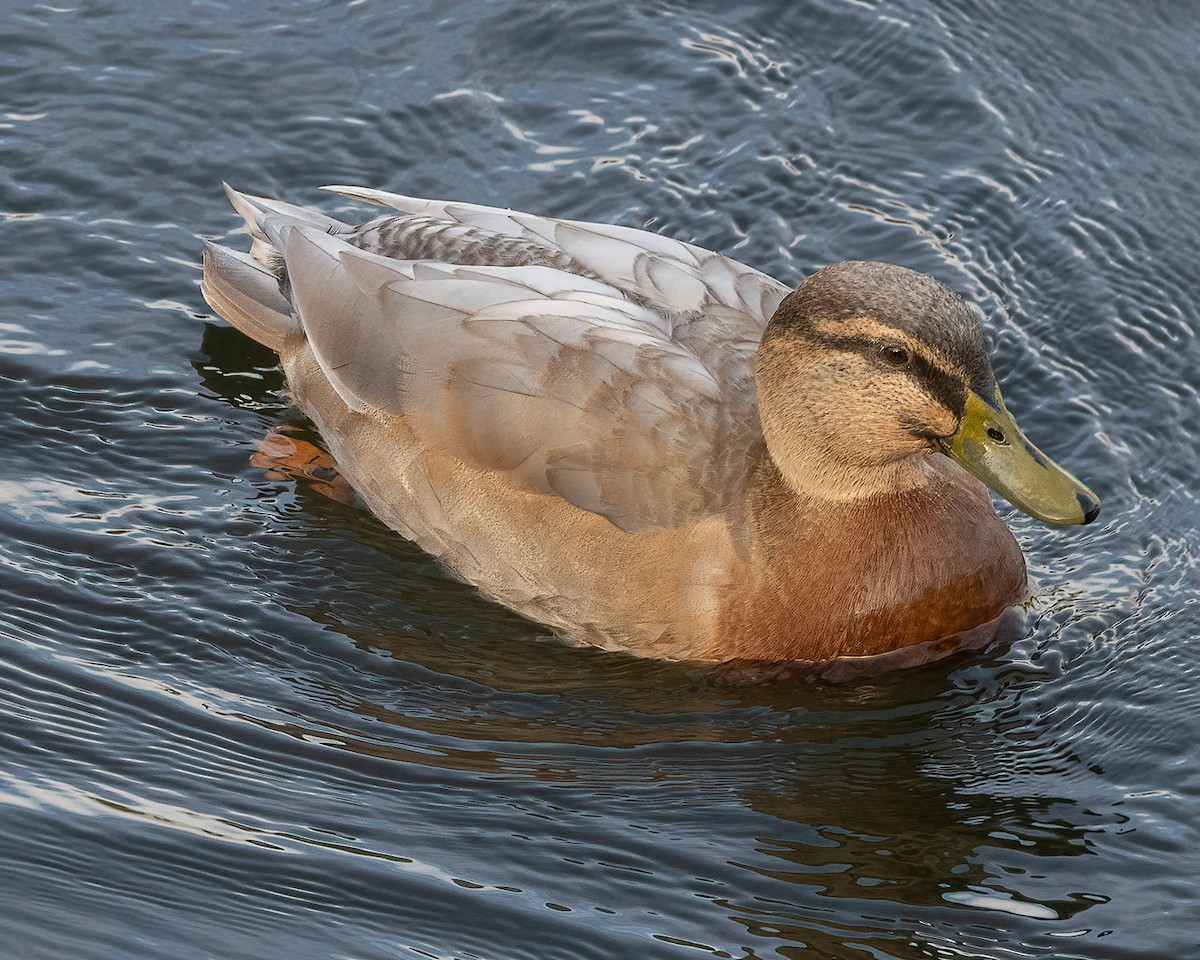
(248, 296)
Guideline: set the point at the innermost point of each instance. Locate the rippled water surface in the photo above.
(241, 720)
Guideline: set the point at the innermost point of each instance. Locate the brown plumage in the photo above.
(599, 428)
(861, 577)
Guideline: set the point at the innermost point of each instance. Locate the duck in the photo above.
(647, 446)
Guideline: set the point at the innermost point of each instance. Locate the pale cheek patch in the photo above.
(941, 420)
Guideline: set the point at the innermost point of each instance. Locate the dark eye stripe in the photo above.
(948, 390)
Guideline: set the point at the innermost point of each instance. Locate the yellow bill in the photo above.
(990, 445)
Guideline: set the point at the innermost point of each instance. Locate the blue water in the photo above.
(241, 720)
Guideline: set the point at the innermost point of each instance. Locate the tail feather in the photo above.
(267, 218)
(248, 289)
(247, 295)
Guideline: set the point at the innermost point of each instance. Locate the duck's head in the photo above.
(868, 368)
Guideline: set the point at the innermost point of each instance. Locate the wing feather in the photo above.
(674, 277)
(561, 380)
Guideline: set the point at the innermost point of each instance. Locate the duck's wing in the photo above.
(550, 374)
(692, 287)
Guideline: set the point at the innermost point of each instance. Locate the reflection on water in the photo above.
(237, 713)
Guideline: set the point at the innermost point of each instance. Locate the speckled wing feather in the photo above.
(728, 300)
(606, 365)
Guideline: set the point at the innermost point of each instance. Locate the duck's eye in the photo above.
(896, 356)
(996, 434)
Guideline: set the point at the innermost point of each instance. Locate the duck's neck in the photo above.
(914, 555)
(811, 472)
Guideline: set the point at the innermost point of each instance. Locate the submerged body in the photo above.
(644, 445)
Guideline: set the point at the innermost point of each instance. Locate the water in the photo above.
(240, 720)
